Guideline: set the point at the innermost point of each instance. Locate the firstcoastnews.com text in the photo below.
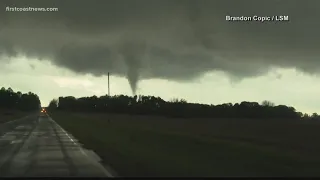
(30, 9)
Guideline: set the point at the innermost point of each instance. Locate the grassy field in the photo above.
(157, 146)
(8, 115)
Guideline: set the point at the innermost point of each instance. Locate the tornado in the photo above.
(133, 53)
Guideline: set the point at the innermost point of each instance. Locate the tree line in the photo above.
(150, 105)
(18, 101)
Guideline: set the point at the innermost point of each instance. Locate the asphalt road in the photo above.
(38, 146)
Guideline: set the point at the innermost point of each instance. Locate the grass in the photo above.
(8, 115)
(156, 146)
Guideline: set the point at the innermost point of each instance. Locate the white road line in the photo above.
(17, 119)
(81, 150)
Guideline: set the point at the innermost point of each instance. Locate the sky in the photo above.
(168, 48)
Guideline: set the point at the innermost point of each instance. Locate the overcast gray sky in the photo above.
(166, 48)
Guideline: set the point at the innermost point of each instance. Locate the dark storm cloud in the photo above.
(171, 39)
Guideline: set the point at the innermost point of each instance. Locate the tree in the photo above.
(16, 100)
(53, 104)
(174, 108)
(267, 103)
(314, 116)
(305, 116)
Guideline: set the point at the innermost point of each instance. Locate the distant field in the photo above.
(8, 115)
(156, 146)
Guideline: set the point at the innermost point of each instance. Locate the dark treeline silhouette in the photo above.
(11, 100)
(150, 105)
(314, 116)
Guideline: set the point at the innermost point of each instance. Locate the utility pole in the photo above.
(108, 84)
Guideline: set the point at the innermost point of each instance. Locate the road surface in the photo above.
(38, 146)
